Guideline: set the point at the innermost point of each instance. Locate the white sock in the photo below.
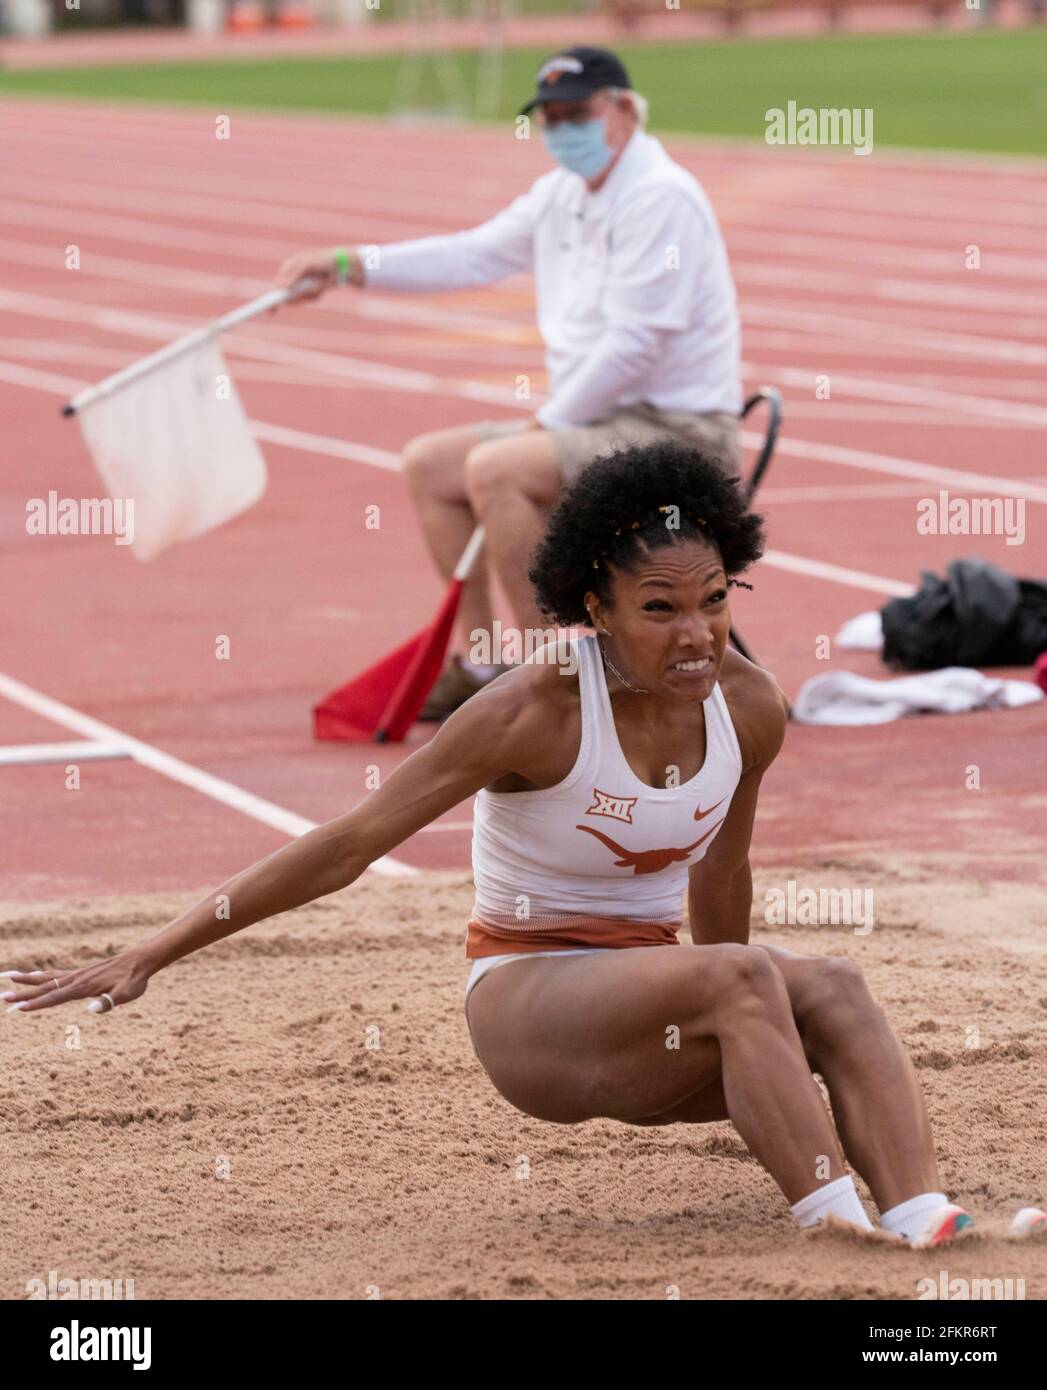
(839, 1197)
(907, 1218)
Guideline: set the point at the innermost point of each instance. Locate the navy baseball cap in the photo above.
(575, 74)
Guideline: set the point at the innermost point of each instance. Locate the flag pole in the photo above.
(186, 343)
(423, 653)
(464, 566)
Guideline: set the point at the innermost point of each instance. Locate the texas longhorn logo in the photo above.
(617, 807)
(647, 861)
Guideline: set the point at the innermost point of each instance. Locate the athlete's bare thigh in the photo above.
(576, 1037)
(619, 1033)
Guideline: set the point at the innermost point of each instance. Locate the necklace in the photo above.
(637, 690)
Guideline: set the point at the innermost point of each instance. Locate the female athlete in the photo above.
(606, 786)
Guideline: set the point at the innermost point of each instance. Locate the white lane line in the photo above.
(836, 574)
(869, 388)
(843, 413)
(913, 258)
(267, 812)
(414, 381)
(240, 287)
(325, 445)
(375, 156)
(796, 448)
(917, 339)
(44, 350)
(804, 346)
(980, 298)
(26, 754)
(378, 373)
(387, 310)
(902, 468)
(270, 434)
(930, 405)
(58, 385)
(157, 328)
(748, 212)
(984, 297)
(20, 211)
(843, 492)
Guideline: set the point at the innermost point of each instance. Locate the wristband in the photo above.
(341, 258)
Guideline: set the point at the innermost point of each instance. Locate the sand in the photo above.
(298, 1113)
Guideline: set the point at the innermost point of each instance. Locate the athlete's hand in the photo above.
(122, 978)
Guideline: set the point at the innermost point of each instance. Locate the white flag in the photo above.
(176, 442)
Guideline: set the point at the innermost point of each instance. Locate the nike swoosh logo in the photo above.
(701, 815)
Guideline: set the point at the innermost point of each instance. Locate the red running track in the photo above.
(850, 269)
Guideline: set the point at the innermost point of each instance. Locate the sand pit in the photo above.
(398, 1167)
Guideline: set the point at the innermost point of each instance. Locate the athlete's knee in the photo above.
(833, 997)
(745, 976)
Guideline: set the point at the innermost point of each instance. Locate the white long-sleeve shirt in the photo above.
(634, 293)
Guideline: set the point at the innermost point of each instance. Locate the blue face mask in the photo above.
(582, 147)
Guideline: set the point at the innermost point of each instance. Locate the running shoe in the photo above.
(942, 1225)
(1030, 1221)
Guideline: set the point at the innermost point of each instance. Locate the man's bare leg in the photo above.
(434, 469)
(512, 484)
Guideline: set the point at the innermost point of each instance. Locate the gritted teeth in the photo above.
(699, 665)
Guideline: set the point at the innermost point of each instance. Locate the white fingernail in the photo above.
(95, 1008)
(6, 974)
(18, 1006)
(9, 995)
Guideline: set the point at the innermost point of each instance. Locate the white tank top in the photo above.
(601, 843)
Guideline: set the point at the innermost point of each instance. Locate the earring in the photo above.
(603, 631)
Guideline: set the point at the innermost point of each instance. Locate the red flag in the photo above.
(382, 703)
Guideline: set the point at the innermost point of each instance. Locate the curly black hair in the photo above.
(630, 502)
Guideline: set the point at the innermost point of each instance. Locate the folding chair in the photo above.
(773, 399)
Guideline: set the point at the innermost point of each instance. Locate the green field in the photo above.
(983, 91)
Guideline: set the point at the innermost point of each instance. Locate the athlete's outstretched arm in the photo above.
(477, 744)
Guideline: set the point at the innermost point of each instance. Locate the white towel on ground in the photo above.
(839, 697)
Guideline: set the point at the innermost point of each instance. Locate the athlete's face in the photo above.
(669, 620)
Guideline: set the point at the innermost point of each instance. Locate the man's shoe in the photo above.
(455, 685)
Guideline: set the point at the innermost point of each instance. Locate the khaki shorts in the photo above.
(713, 433)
